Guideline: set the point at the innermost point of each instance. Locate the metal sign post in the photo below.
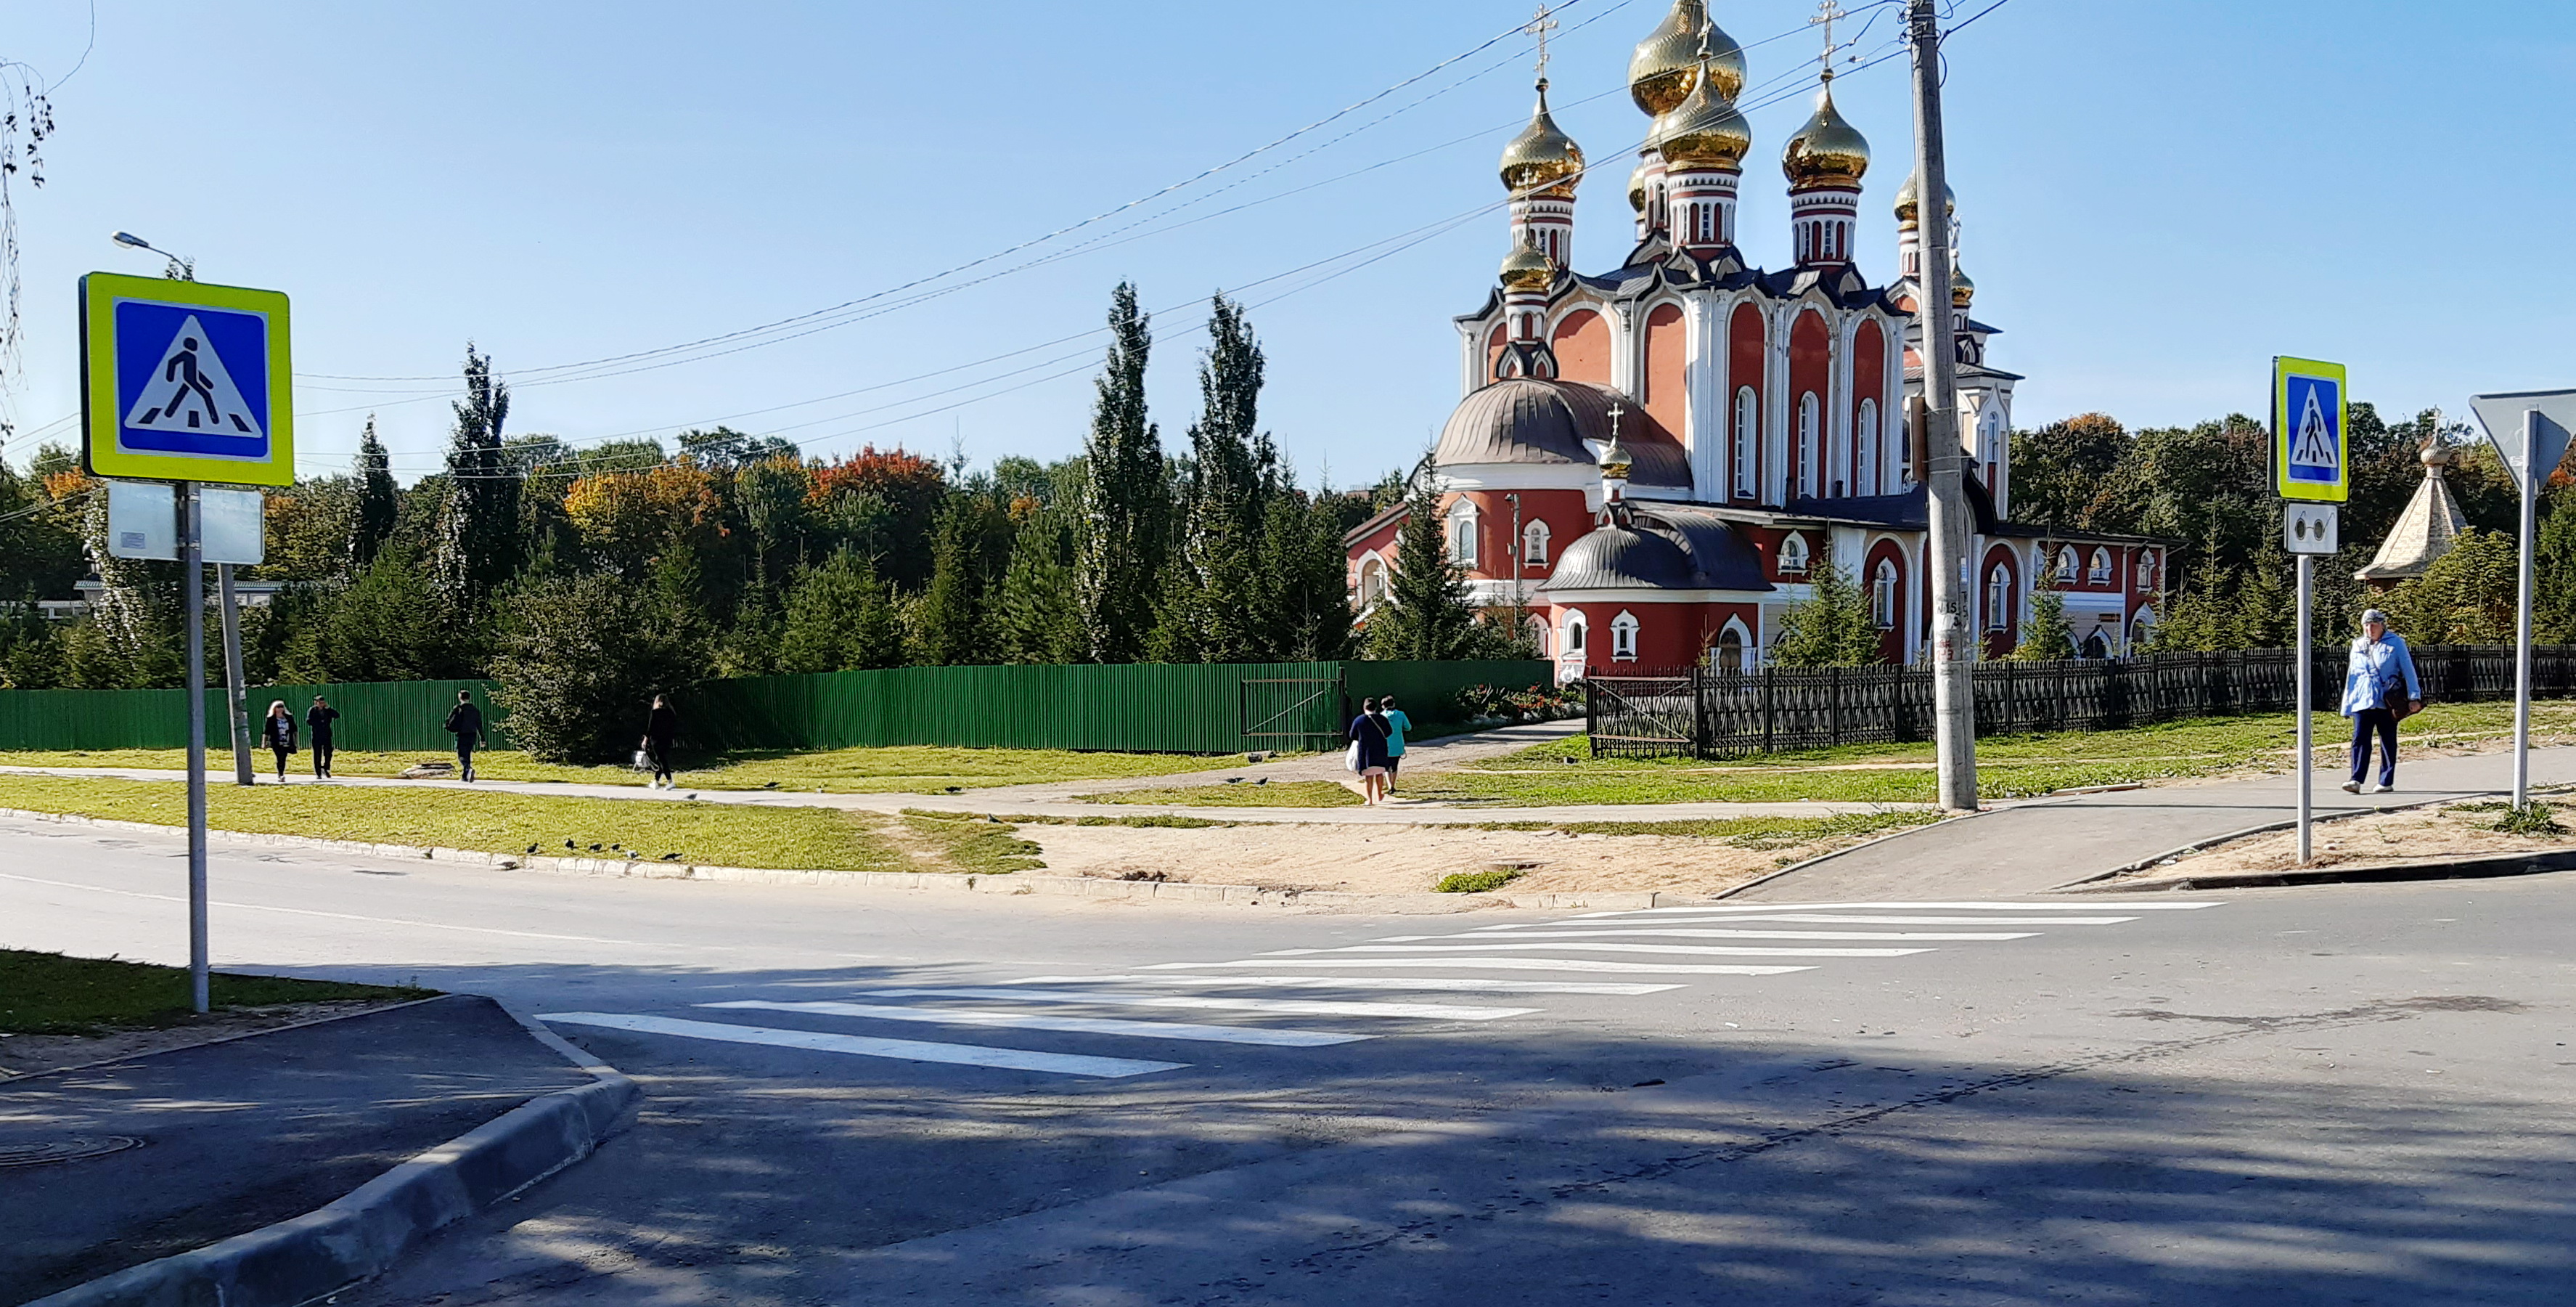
(2529, 428)
(2312, 469)
(189, 383)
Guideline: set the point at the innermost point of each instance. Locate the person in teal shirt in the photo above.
(1397, 724)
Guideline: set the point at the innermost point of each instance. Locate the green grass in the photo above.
(823, 839)
(973, 843)
(1765, 833)
(909, 769)
(49, 994)
(1477, 882)
(1282, 794)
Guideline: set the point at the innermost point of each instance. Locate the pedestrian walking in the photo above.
(2379, 688)
(1397, 724)
(661, 729)
(465, 722)
(1367, 755)
(277, 731)
(317, 730)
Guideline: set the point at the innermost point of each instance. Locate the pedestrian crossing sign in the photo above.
(184, 381)
(2311, 458)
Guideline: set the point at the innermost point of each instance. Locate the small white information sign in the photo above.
(142, 519)
(2311, 528)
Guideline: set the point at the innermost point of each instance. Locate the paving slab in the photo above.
(223, 1139)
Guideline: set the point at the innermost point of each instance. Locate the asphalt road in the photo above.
(2346, 1095)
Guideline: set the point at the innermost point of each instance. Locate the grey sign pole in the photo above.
(193, 587)
(2533, 477)
(2307, 711)
(234, 708)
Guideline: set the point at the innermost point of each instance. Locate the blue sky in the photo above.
(2157, 198)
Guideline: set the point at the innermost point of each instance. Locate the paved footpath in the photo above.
(2028, 848)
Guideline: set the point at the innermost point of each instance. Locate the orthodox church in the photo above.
(1648, 465)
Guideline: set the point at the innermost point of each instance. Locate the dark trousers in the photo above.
(465, 758)
(2385, 723)
(658, 753)
(321, 756)
(281, 751)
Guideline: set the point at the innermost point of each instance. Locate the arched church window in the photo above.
(1865, 438)
(2101, 571)
(2066, 565)
(1535, 631)
(2146, 569)
(1730, 649)
(1810, 457)
(1793, 553)
(1998, 597)
(1462, 535)
(1748, 415)
(1574, 625)
(1623, 637)
(1372, 583)
(1534, 544)
(1882, 595)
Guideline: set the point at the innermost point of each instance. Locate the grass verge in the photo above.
(1283, 794)
(822, 839)
(974, 843)
(50, 994)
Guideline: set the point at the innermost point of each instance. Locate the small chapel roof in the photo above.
(2427, 529)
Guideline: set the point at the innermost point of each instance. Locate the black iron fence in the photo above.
(1708, 713)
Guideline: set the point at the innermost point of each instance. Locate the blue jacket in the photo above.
(2375, 668)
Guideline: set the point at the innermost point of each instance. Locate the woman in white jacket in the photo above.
(2373, 677)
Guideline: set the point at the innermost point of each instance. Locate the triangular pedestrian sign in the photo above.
(2314, 445)
(190, 390)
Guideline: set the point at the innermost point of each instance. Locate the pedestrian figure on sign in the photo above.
(661, 729)
(1367, 756)
(465, 722)
(1396, 725)
(317, 724)
(182, 369)
(2379, 689)
(277, 730)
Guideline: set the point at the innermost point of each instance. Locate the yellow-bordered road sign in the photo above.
(185, 381)
(2311, 454)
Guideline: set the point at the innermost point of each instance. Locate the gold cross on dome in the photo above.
(1827, 13)
(1539, 27)
(1615, 411)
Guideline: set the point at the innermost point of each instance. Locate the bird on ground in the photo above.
(534, 847)
(594, 848)
(1234, 780)
(619, 847)
(632, 854)
(1263, 781)
(670, 857)
(570, 845)
(766, 785)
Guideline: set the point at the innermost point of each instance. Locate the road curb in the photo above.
(2494, 865)
(1008, 884)
(365, 1231)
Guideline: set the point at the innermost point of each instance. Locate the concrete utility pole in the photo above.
(1954, 706)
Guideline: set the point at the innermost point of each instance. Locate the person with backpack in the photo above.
(465, 722)
(317, 727)
(277, 731)
(1367, 757)
(2379, 688)
(1397, 724)
(661, 730)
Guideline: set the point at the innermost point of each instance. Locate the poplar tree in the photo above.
(1214, 612)
(478, 535)
(378, 500)
(1124, 498)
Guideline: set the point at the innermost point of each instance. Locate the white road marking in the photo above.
(1417, 984)
(1011, 1059)
(1307, 1007)
(1726, 934)
(1900, 907)
(1497, 964)
(1818, 918)
(1715, 950)
(1071, 1025)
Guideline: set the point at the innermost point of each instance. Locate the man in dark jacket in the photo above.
(465, 722)
(661, 729)
(317, 729)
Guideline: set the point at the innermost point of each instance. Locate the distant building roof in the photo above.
(2428, 528)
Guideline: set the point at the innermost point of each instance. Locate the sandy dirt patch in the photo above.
(1406, 860)
(2458, 831)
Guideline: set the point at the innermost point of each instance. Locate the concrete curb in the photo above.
(365, 1231)
(1010, 884)
(2502, 864)
(1823, 858)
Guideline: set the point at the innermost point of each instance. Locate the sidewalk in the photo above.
(240, 1135)
(2029, 848)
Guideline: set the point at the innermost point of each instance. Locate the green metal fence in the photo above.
(1140, 708)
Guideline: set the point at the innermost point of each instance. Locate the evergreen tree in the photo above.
(839, 618)
(750, 644)
(1426, 614)
(1214, 612)
(2045, 637)
(951, 625)
(373, 521)
(581, 658)
(478, 531)
(388, 625)
(1118, 572)
(2467, 596)
(2553, 575)
(1302, 582)
(1034, 617)
(1832, 626)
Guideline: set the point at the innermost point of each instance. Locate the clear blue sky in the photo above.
(2157, 197)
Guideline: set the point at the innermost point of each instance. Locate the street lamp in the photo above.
(179, 270)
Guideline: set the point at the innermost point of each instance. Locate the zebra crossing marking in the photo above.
(1830, 919)
(908, 1050)
(1285, 1006)
(1499, 964)
(1902, 907)
(1686, 933)
(1181, 1030)
(1415, 984)
(1705, 950)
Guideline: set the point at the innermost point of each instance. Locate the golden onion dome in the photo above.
(1909, 199)
(1827, 151)
(1616, 461)
(1542, 160)
(1665, 67)
(1704, 130)
(1963, 291)
(1637, 184)
(1527, 267)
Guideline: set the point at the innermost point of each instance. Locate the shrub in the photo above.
(1478, 882)
(581, 659)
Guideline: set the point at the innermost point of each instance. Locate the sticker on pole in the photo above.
(184, 381)
(2551, 415)
(2310, 455)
